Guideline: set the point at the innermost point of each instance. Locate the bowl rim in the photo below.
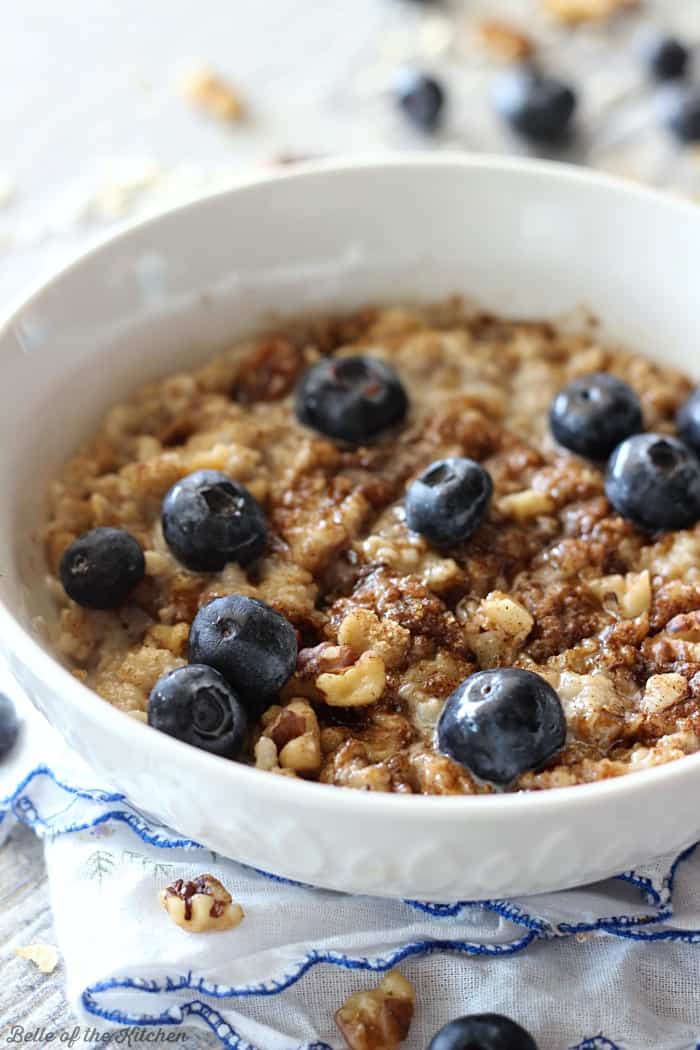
(132, 732)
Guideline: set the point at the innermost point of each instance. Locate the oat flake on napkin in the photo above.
(615, 965)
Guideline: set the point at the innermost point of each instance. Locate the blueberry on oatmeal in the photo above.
(448, 501)
(482, 1032)
(251, 645)
(421, 98)
(679, 106)
(665, 57)
(101, 568)
(197, 705)
(537, 106)
(594, 413)
(351, 399)
(501, 723)
(654, 481)
(688, 421)
(9, 725)
(209, 520)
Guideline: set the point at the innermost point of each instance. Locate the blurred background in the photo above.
(114, 110)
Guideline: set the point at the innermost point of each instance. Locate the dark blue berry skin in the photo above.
(665, 57)
(351, 399)
(688, 421)
(654, 481)
(501, 723)
(594, 413)
(680, 112)
(482, 1032)
(197, 705)
(101, 568)
(250, 644)
(208, 520)
(449, 501)
(421, 98)
(536, 106)
(9, 725)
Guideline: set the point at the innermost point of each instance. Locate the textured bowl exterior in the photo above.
(523, 238)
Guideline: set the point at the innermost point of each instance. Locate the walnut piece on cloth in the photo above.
(380, 1018)
(200, 905)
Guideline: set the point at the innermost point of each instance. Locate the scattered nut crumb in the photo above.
(503, 41)
(206, 89)
(44, 956)
(574, 12)
(200, 905)
(378, 1019)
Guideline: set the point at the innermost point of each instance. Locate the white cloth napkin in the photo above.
(616, 965)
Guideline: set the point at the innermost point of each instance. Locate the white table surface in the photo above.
(95, 131)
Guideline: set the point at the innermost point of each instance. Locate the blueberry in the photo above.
(538, 107)
(594, 413)
(501, 723)
(197, 705)
(449, 501)
(208, 520)
(9, 725)
(351, 399)
(688, 421)
(101, 568)
(654, 480)
(680, 111)
(420, 97)
(482, 1032)
(250, 644)
(665, 57)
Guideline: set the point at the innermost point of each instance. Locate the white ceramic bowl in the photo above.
(523, 238)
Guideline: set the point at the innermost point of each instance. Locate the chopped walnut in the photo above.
(530, 503)
(379, 1019)
(631, 594)
(324, 657)
(295, 736)
(201, 905)
(44, 956)
(573, 12)
(503, 41)
(664, 690)
(213, 94)
(498, 629)
(362, 630)
(358, 686)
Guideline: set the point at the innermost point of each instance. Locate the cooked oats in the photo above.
(554, 581)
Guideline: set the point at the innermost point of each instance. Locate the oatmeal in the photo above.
(388, 622)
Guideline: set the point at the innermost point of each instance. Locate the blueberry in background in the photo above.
(197, 705)
(420, 97)
(537, 106)
(679, 106)
(594, 413)
(482, 1032)
(209, 520)
(449, 500)
(688, 421)
(502, 723)
(248, 642)
(654, 481)
(9, 725)
(665, 56)
(350, 399)
(101, 568)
